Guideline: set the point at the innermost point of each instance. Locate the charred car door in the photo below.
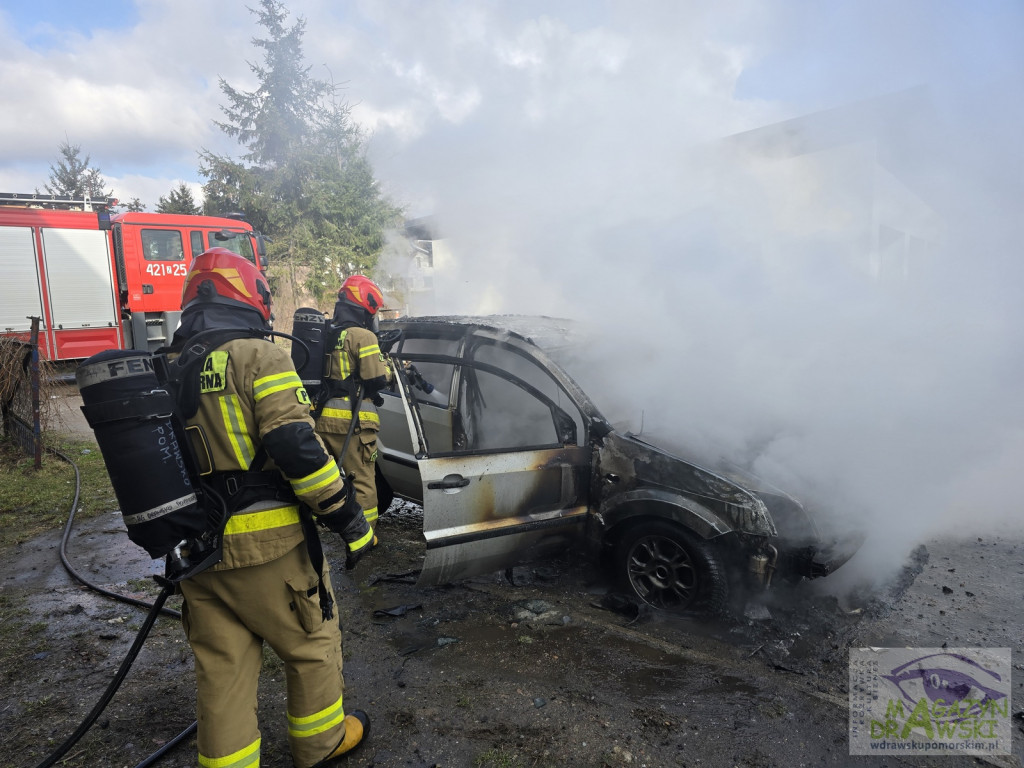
(505, 474)
(431, 390)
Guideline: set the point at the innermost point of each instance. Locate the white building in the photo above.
(854, 174)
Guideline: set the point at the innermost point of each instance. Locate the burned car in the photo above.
(511, 460)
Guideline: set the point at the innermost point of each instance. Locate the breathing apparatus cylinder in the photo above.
(144, 447)
(309, 325)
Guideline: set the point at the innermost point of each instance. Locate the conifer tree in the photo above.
(72, 176)
(179, 200)
(135, 205)
(303, 177)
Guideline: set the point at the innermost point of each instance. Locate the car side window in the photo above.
(437, 377)
(497, 413)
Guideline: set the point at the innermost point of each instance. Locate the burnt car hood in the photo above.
(717, 465)
(796, 531)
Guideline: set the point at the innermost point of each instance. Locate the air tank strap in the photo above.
(240, 489)
(316, 558)
(333, 388)
(157, 404)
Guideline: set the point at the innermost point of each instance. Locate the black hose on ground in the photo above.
(67, 563)
(155, 609)
(114, 684)
(155, 757)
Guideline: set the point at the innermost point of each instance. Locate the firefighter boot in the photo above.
(357, 729)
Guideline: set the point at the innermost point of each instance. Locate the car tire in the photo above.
(669, 568)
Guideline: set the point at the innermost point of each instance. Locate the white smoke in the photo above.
(830, 301)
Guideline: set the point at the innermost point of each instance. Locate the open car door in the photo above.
(505, 468)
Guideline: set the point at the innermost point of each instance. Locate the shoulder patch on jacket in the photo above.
(213, 376)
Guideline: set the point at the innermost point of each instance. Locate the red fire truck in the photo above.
(99, 280)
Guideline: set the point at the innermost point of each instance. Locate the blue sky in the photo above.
(41, 25)
(574, 152)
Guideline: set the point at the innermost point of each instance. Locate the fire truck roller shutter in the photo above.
(78, 273)
(21, 276)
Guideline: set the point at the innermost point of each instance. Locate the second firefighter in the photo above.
(356, 367)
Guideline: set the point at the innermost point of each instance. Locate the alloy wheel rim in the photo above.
(662, 572)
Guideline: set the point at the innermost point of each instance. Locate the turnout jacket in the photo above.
(251, 396)
(356, 357)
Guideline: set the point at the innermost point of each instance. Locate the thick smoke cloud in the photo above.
(830, 303)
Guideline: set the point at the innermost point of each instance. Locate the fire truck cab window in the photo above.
(239, 242)
(162, 245)
(196, 241)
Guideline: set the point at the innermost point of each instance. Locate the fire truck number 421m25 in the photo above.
(99, 280)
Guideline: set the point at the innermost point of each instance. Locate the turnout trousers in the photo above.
(227, 615)
(360, 461)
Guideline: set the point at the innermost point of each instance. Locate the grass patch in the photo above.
(18, 636)
(35, 501)
(146, 586)
(40, 707)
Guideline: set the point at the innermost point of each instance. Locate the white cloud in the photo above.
(133, 100)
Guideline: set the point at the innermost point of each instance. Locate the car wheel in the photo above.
(671, 569)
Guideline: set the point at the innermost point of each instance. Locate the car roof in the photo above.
(548, 333)
(553, 336)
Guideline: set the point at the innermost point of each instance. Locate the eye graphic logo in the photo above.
(948, 678)
(938, 701)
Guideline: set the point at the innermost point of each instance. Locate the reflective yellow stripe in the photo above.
(354, 545)
(370, 514)
(268, 385)
(246, 757)
(265, 519)
(234, 426)
(324, 476)
(372, 349)
(311, 725)
(342, 413)
(344, 370)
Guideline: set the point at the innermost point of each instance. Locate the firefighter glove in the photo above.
(353, 528)
(359, 540)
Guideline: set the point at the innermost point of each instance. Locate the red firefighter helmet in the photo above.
(362, 291)
(220, 276)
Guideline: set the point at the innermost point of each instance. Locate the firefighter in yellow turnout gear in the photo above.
(356, 359)
(265, 457)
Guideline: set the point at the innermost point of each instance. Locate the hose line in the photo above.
(114, 684)
(155, 609)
